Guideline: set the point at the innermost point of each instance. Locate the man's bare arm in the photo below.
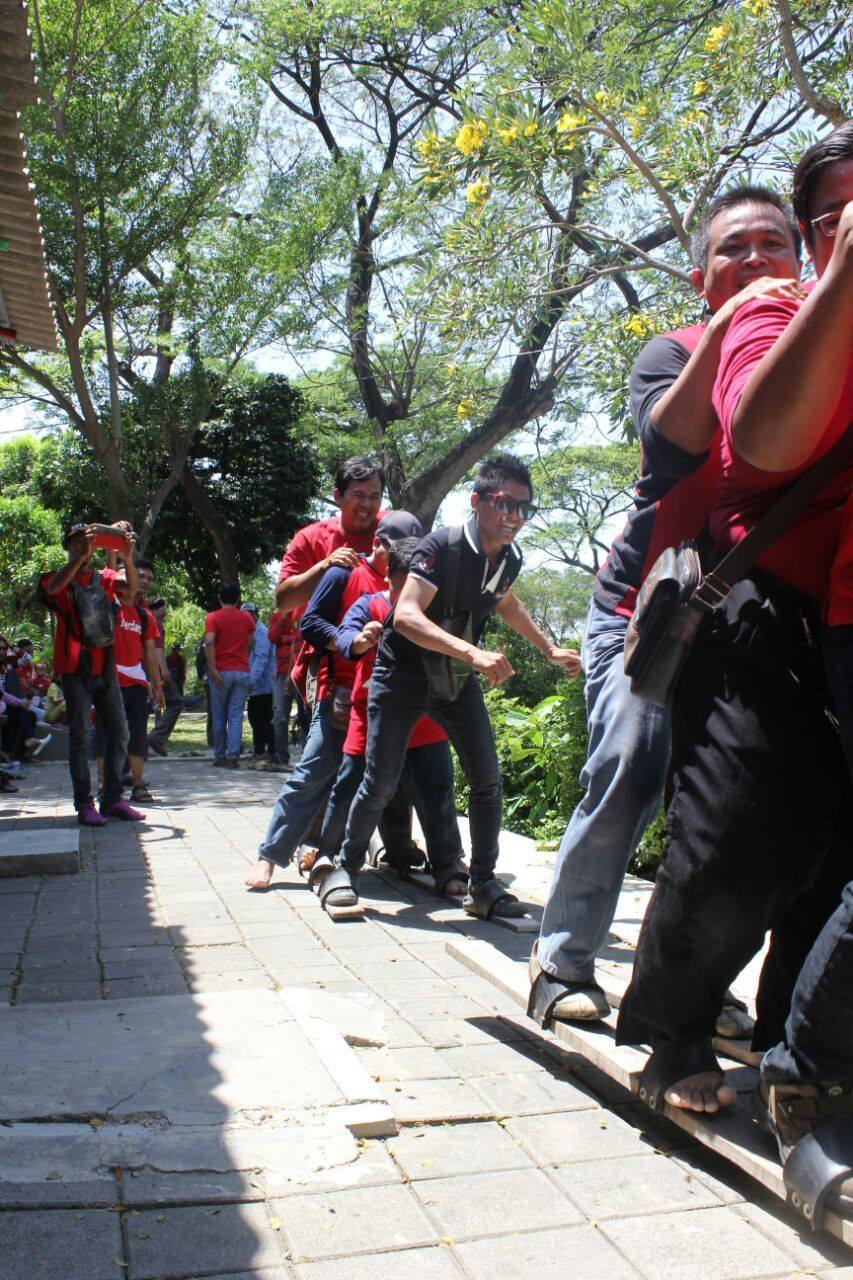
(298, 589)
(792, 394)
(516, 616)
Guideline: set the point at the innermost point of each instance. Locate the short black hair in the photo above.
(362, 467)
(498, 468)
(836, 146)
(229, 593)
(141, 563)
(730, 199)
(400, 555)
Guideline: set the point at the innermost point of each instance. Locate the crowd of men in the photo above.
(378, 640)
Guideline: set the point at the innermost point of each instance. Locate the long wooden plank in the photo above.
(731, 1133)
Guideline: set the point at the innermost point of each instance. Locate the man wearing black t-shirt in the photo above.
(455, 574)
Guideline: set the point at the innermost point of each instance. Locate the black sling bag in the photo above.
(446, 675)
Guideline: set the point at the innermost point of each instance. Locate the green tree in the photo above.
(30, 545)
(582, 494)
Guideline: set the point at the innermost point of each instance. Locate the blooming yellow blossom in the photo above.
(508, 133)
(530, 128)
(570, 120)
(465, 408)
(470, 137)
(717, 36)
(759, 8)
(700, 88)
(478, 192)
(639, 326)
(429, 147)
(606, 100)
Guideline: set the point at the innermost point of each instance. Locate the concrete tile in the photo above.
(531, 1094)
(338, 1223)
(419, 1101)
(164, 966)
(575, 1135)
(710, 1244)
(61, 1244)
(36, 992)
(488, 1060)
(63, 1194)
(632, 1186)
(171, 984)
(143, 1188)
(201, 1239)
(437, 1151)
(203, 935)
(517, 1199)
(571, 1253)
(790, 1232)
(372, 1167)
(216, 959)
(418, 1063)
(255, 981)
(424, 1264)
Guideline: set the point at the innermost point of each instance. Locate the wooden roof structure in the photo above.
(26, 316)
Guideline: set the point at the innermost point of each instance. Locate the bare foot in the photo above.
(307, 858)
(704, 1091)
(260, 875)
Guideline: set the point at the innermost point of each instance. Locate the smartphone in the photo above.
(109, 538)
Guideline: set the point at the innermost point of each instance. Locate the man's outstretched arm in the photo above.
(516, 616)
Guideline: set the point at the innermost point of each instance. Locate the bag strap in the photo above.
(717, 584)
(454, 558)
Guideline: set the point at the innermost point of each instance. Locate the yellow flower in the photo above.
(606, 100)
(530, 128)
(639, 326)
(452, 370)
(478, 192)
(569, 121)
(717, 36)
(508, 134)
(470, 137)
(429, 147)
(465, 408)
(700, 88)
(759, 8)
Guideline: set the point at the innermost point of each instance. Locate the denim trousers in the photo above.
(165, 720)
(428, 779)
(306, 788)
(623, 780)
(81, 694)
(818, 1043)
(227, 702)
(283, 694)
(398, 698)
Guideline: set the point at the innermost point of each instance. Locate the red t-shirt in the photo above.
(282, 631)
(312, 544)
(803, 555)
(232, 628)
(67, 646)
(129, 644)
(425, 731)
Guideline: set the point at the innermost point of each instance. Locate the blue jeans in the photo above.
(227, 703)
(818, 1044)
(398, 698)
(306, 788)
(283, 694)
(428, 779)
(101, 692)
(623, 781)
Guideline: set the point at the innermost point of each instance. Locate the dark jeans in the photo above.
(165, 720)
(837, 647)
(81, 694)
(14, 731)
(758, 798)
(398, 698)
(259, 710)
(818, 1043)
(428, 778)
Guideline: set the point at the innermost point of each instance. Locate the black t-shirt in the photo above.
(676, 490)
(479, 587)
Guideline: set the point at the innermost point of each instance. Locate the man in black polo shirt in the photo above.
(456, 575)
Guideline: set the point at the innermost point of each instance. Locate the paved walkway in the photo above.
(513, 1159)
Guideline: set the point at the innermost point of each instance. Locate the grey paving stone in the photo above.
(60, 1244)
(710, 1244)
(111, 955)
(254, 981)
(437, 1151)
(337, 1223)
(532, 1094)
(571, 1253)
(35, 992)
(89, 1193)
(142, 1188)
(632, 1186)
(419, 1101)
(201, 1240)
(417, 1063)
(814, 1250)
(373, 1167)
(423, 1264)
(488, 1060)
(64, 972)
(156, 985)
(60, 956)
(203, 935)
(199, 960)
(164, 966)
(576, 1135)
(474, 1204)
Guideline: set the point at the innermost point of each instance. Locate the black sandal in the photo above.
(491, 900)
(319, 871)
(338, 890)
(671, 1062)
(443, 875)
(813, 1128)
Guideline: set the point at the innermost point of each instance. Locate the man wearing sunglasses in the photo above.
(457, 576)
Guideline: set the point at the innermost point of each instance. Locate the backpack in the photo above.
(95, 614)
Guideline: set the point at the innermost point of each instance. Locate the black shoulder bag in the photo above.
(447, 675)
(675, 598)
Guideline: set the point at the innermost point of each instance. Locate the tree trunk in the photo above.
(213, 522)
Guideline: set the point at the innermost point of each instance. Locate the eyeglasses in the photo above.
(827, 223)
(511, 506)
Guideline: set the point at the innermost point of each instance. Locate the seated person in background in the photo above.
(428, 772)
(138, 674)
(54, 705)
(760, 815)
(176, 663)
